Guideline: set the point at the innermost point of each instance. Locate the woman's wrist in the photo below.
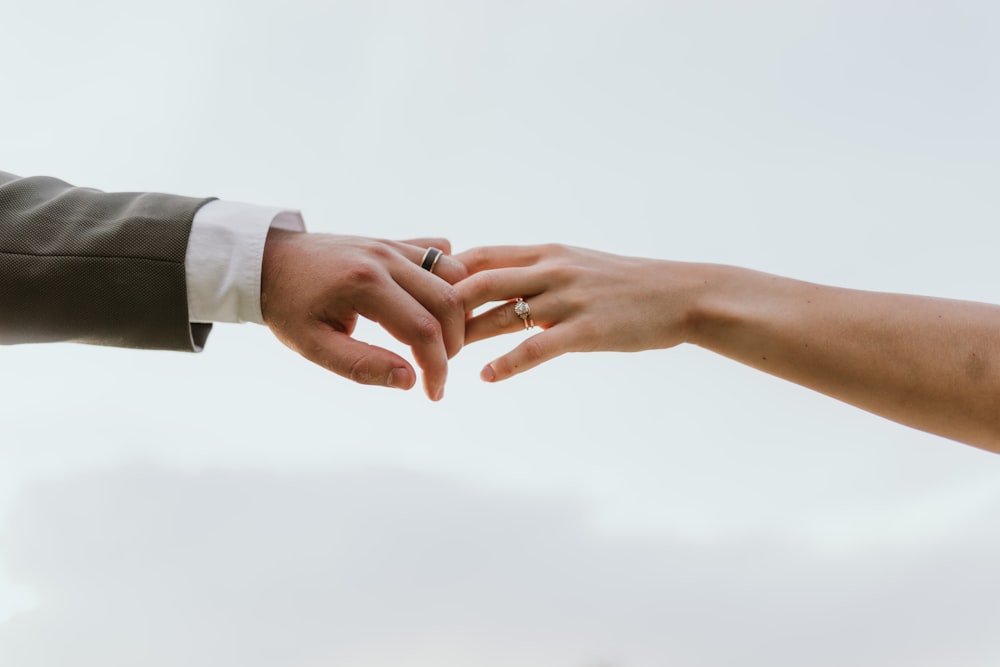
(718, 302)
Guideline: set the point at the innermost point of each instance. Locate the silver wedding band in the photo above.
(523, 310)
(431, 257)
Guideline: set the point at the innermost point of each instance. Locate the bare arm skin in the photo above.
(932, 364)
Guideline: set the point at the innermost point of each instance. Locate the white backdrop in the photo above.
(242, 507)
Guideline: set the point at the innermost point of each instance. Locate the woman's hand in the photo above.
(583, 300)
(933, 364)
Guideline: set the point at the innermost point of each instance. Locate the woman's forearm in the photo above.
(933, 364)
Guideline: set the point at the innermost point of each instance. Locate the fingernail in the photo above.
(439, 394)
(487, 374)
(398, 378)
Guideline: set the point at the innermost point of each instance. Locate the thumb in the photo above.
(358, 361)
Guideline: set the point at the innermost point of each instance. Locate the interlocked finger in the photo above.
(432, 255)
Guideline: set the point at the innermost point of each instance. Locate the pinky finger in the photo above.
(532, 352)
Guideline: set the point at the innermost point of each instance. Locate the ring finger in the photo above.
(446, 267)
(543, 311)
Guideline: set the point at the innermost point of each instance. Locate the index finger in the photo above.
(400, 305)
(409, 322)
(499, 285)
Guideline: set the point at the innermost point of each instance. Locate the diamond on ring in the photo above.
(523, 310)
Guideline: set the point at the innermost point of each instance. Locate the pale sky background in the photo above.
(243, 507)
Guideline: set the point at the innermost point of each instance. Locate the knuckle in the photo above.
(485, 282)
(381, 250)
(452, 301)
(534, 351)
(503, 317)
(473, 289)
(427, 329)
(363, 273)
(496, 281)
(479, 256)
(559, 274)
(361, 370)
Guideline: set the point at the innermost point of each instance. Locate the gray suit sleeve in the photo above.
(85, 266)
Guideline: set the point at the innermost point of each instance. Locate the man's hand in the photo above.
(314, 287)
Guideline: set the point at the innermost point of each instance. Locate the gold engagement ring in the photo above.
(523, 310)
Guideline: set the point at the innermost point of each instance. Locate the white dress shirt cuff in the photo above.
(224, 257)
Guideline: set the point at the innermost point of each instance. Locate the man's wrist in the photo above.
(274, 259)
(224, 258)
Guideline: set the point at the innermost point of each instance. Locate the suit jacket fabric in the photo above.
(81, 265)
